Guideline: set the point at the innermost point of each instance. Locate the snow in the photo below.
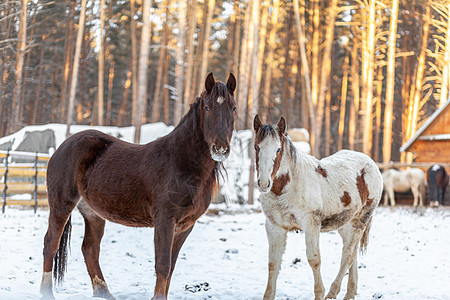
(225, 257)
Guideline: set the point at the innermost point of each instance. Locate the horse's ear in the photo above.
(281, 126)
(231, 83)
(209, 82)
(257, 123)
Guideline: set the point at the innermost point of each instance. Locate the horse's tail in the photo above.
(365, 238)
(60, 262)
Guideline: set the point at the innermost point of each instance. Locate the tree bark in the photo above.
(243, 76)
(306, 78)
(38, 88)
(134, 62)
(315, 52)
(368, 96)
(390, 84)
(325, 72)
(205, 46)
(123, 105)
(20, 54)
(101, 66)
(379, 91)
(76, 62)
(354, 105)
(68, 50)
(110, 90)
(190, 58)
(445, 71)
(343, 103)
(143, 64)
(266, 95)
(414, 112)
(162, 57)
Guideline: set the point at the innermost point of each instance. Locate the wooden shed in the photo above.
(431, 143)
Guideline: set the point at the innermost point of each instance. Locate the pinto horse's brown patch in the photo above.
(279, 183)
(362, 187)
(346, 199)
(335, 221)
(321, 171)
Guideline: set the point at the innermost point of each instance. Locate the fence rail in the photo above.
(23, 173)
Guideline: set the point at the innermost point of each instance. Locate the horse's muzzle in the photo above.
(219, 153)
(264, 187)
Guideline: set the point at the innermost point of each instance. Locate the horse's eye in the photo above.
(278, 150)
(207, 108)
(234, 108)
(256, 148)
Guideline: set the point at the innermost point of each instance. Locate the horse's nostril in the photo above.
(259, 182)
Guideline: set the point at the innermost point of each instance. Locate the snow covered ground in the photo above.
(408, 258)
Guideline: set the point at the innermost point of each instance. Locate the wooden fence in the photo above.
(23, 173)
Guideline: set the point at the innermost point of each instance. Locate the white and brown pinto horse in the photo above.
(300, 192)
(403, 181)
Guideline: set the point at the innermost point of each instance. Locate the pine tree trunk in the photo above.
(205, 46)
(325, 72)
(156, 109)
(110, 90)
(134, 62)
(123, 105)
(243, 76)
(343, 103)
(76, 62)
(445, 71)
(20, 54)
(379, 91)
(260, 33)
(25, 103)
(101, 66)
(68, 50)
(38, 88)
(166, 91)
(315, 52)
(368, 96)
(354, 105)
(179, 58)
(142, 76)
(266, 95)
(390, 85)
(306, 78)
(190, 58)
(414, 112)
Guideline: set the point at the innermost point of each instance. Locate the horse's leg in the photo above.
(415, 192)
(352, 285)
(386, 198)
(351, 235)
(392, 196)
(311, 226)
(276, 237)
(178, 241)
(93, 233)
(58, 217)
(164, 235)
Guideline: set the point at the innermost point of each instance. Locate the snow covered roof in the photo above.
(425, 126)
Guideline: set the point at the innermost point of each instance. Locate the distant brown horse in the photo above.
(166, 184)
(437, 182)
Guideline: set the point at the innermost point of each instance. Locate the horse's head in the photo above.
(269, 147)
(218, 110)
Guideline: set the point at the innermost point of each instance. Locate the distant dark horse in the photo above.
(166, 184)
(437, 181)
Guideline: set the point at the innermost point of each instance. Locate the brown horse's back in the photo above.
(95, 166)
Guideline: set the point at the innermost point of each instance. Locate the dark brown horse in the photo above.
(438, 180)
(166, 184)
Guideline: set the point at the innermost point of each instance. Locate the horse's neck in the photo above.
(305, 163)
(189, 142)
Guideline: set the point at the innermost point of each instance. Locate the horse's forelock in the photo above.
(265, 131)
